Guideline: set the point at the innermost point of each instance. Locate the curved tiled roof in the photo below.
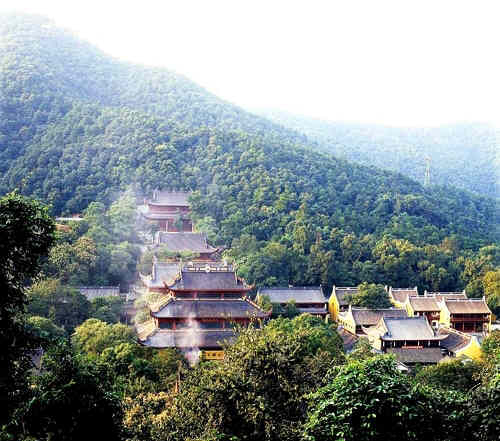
(163, 338)
(174, 198)
(306, 294)
(454, 340)
(423, 304)
(408, 328)
(177, 242)
(440, 296)
(369, 317)
(192, 308)
(341, 292)
(469, 306)
(163, 272)
(421, 355)
(401, 294)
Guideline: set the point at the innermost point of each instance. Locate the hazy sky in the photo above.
(391, 62)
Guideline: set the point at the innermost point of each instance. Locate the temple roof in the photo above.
(348, 339)
(312, 294)
(93, 292)
(209, 277)
(440, 296)
(469, 306)
(401, 294)
(342, 292)
(421, 355)
(162, 272)
(369, 317)
(227, 308)
(423, 304)
(403, 328)
(454, 340)
(176, 242)
(173, 198)
(163, 338)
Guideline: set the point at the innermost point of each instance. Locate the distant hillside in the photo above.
(45, 69)
(78, 126)
(465, 156)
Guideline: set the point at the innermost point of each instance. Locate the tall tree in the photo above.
(26, 233)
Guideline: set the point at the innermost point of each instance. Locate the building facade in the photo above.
(170, 210)
(307, 299)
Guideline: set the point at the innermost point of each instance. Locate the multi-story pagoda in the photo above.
(202, 306)
(170, 210)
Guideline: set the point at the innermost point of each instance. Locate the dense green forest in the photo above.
(461, 155)
(290, 380)
(80, 127)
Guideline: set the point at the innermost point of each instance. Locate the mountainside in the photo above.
(462, 155)
(78, 126)
(44, 70)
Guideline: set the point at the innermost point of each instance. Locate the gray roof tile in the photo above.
(313, 294)
(190, 308)
(176, 242)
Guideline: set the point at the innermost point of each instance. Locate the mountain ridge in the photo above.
(475, 168)
(251, 175)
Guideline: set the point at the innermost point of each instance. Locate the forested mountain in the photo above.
(79, 126)
(465, 156)
(44, 70)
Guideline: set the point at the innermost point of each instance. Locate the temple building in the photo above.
(411, 339)
(170, 210)
(339, 300)
(95, 292)
(203, 304)
(424, 306)
(162, 273)
(195, 243)
(460, 344)
(428, 305)
(466, 315)
(356, 320)
(307, 300)
(399, 296)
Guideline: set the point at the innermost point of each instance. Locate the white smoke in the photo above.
(189, 340)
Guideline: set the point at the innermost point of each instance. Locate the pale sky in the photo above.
(415, 63)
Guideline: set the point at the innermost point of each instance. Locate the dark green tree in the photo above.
(26, 233)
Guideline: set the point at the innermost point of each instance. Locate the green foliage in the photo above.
(64, 305)
(491, 286)
(45, 329)
(264, 302)
(371, 296)
(256, 393)
(462, 155)
(106, 309)
(93, 336)
(372, 400)
(459, 375)
(69, 400)
(26, 233)
(483, 409)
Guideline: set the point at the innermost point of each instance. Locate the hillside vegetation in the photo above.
(465, 156)
(78, 126)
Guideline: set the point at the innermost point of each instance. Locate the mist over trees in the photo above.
(461, 155)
